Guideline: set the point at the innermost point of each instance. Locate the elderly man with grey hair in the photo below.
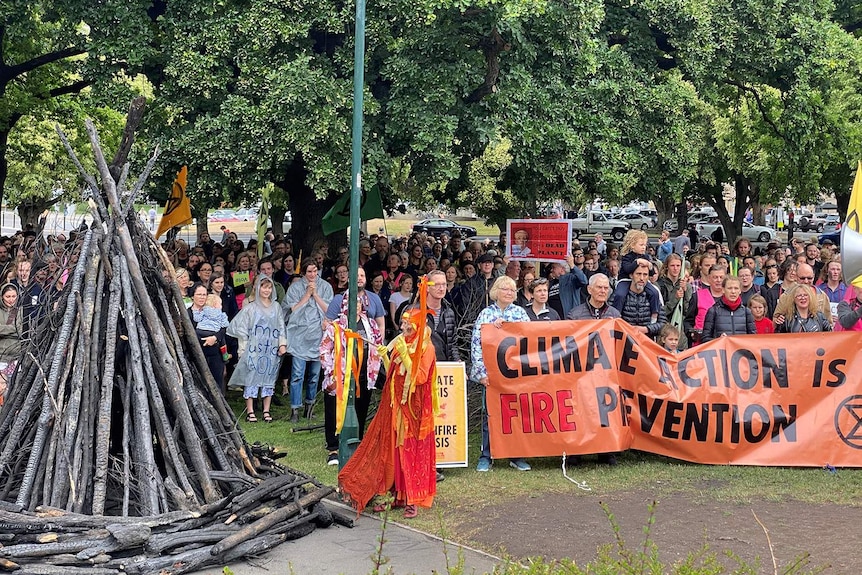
(596, 306)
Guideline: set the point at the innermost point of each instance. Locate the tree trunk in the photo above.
(306, 209)
(664, 206)
(276, 217)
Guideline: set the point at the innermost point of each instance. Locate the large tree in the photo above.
(50, 51)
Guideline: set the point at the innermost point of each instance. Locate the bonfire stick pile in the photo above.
(118, 452)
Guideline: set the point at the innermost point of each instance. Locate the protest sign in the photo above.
(544, 240)
(599, 386)
(450, 427)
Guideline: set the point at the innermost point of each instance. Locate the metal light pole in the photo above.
(349, 437)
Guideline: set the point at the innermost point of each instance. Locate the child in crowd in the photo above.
(212, 317)
(757, 305)
(668, 338)
(634, 254)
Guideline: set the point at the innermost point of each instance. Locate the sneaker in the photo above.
(519, 464)
(484, 464)
(332, 458)
(440, 477)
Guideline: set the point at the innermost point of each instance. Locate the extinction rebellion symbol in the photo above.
(848, 421)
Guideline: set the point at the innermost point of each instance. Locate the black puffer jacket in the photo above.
(443, 333)
(635, 309)
(721, 320)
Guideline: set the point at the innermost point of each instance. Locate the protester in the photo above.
(705, 298)
(564, 289)
(210, 324)
(596, 306)
(503, 309)
(802, 315)
(398, 454)
(538, 309)
(634, 255)
(304, 307)
(10, 334)
(635, 306)
(677, 294)
(849, 311)
(669, 337)
(747, 285)
(728, 316)
(820, 301)
(833, 284)
(260, 333)
(370, 326)
(762, 324)
(400, 299)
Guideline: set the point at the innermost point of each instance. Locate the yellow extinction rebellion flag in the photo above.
(851, 233)
(178, 209)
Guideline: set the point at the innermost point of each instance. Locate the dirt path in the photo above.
(569, 526)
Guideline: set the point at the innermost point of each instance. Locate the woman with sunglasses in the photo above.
(803, 316)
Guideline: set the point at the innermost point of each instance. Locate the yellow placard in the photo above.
(451, 426)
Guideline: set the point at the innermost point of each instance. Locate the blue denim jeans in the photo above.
(305, 371)
(486, 437)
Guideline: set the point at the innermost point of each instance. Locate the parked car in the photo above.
(247, 214)
(832, 220)
(806, 221)
(651, 214)
(437, 227)
(222, 216)
(833, 235)
(750, 231)
(695, 218)
(637, 220)
(589, 223)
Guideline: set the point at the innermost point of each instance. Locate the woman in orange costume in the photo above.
(398, 453)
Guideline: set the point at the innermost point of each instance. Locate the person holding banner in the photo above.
(803, 315)
(728, 316)
(502, 310)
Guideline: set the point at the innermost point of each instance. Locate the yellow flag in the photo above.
(178, 210)
(854, 209)
(262, 221)
(851, 239)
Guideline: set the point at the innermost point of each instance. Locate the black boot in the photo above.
(309, 410)
(294, 416)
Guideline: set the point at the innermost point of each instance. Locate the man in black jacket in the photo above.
(634, 306)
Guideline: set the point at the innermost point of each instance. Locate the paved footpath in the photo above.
(340, 550)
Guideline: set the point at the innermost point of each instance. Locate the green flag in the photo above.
(262, 220)
(338, 218)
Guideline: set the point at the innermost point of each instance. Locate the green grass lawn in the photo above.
(464, 489)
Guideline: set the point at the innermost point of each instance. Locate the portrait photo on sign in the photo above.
(545, 240)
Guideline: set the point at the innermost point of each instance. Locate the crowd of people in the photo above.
(278, 322)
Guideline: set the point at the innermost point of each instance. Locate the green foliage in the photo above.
(38, 163)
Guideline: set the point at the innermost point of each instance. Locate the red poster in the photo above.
(544, 240)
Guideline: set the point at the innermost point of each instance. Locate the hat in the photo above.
(492, 252)
(828, 242)
(773, 245)
(485, 258)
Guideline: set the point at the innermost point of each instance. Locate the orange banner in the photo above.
(584, 387)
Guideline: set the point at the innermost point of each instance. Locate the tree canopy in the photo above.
(502, 105)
